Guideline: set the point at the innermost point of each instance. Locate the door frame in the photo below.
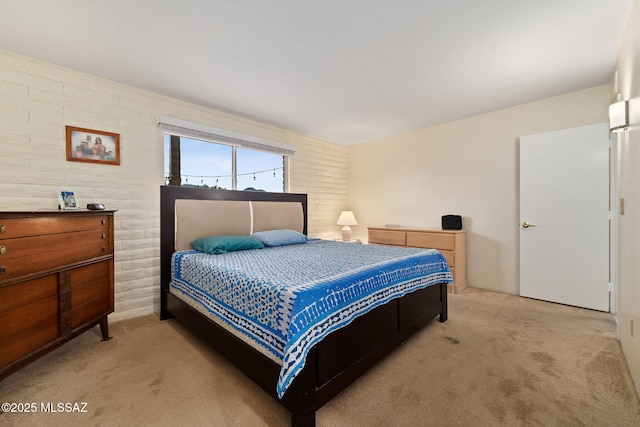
(614, 225)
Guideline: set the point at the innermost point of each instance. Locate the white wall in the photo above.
(629, 287)
(37, 101)
(467, 167)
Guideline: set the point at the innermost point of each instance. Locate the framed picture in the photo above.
(67, 200)
(94, 146)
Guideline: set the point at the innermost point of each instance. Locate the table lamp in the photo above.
(346, 219)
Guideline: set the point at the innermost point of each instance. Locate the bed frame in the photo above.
(334, 363)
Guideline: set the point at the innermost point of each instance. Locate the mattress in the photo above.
(283, 300)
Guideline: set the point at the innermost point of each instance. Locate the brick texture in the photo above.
(37, 101)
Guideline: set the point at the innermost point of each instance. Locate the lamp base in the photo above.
(346, 233)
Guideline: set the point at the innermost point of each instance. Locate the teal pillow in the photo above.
(225, 244)
(280, 237)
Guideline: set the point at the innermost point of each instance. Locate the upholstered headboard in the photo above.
(187, 213)
(200, 218)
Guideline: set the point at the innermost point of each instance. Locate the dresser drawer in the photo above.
(90, 293)
(16, 295)
(387, 237)
(27, 327)
(18, 346)
(51, 224)
(430, 240)
(28, 254)
(449, 256)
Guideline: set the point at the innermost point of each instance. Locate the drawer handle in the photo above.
(104, 221)
(104, 236)
(2, 228)
(104, 249)
(3, 269)
(3, 249)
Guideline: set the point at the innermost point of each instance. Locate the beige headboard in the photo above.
(187, 213)
(277, 215)
(200, 218)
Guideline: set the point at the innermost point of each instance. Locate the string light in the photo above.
(217, 177)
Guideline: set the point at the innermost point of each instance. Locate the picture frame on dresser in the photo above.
(67, 200)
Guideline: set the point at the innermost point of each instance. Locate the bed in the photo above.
(339, 307)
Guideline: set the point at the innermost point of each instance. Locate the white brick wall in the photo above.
(37, 101)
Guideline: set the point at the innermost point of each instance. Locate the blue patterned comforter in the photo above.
(288, 298)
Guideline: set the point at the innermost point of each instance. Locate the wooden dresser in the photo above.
(451, 243)
(56, 280)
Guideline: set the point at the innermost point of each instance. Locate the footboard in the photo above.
(337, 361)
(346, 354)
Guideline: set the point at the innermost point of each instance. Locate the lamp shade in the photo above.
(347, 218)
(619, 116)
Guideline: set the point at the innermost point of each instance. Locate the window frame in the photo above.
(177, 128)
(175, 150)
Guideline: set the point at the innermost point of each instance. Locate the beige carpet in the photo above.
(499, 360)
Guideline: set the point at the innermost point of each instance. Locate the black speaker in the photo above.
(451, 222)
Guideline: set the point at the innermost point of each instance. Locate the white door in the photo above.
(564, 216)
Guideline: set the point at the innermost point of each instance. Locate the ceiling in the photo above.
(345, 71)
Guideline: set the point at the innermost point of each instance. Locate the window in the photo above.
(208, 164)
(201, 155)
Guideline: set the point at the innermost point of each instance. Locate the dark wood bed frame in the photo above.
(334, 363)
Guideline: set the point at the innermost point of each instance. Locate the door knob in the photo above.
(527, 225)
